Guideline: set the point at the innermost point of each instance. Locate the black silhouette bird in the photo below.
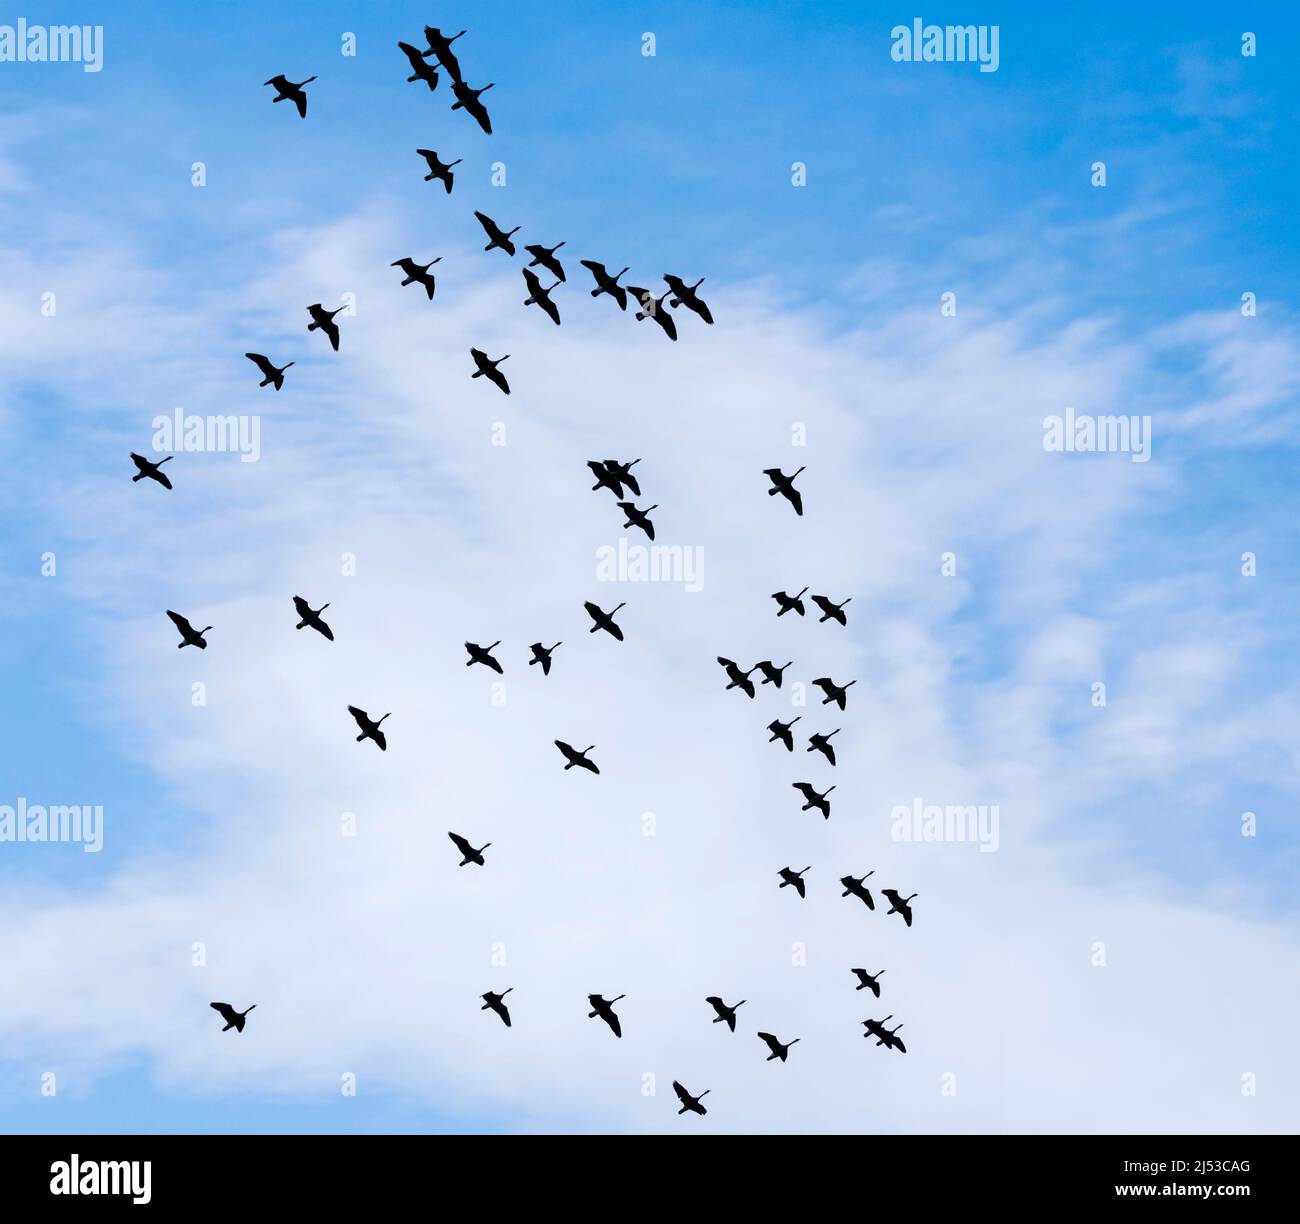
(606, 283)
(542, 655)
(546, 257)
(639, 518)
(537, 296)
(899, 905)
(499, 238)
(725, 1014)
(311, 618)
(417, 272)
(737, 678)
(234, 1020)
(855, 886)
(781, 731)
(831, 611)
(684, 295)
(814, 799)
(189, 635)
(324, 319)
(793, 879)
(574, 757)
(420, 71)
(604, 1008)
(604, 620)
(145, 468)
(483, 654)
(653, 308)
(438, 169)
(487, 368)
(778, 1050)
(884, 1036)
(469, 99)
(834, 692)
(783, 484)
(497, 1004)
(284, 88)
(868, 981)
(690, 1102)
(612, 475)
(771, 673)
(270, 373)
(369, 730)
(468, 853)
(440, 47)
(789, 602)
(817, 742)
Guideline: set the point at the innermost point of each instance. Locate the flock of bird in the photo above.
(612, 474)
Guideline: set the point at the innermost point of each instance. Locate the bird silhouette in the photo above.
(604, 1008)
(725, 1014)
(781, 731)
(438, 169)
(899, 905)
(468, 99)
(497, 1003)
(189, 635)
(778, 1049)
(814, 799)
(831, 611)
(684, 295)
(234, 1019)
(417, 272)
(308, 617)
(606, 283)
(369, 730)
(783, 484)
(691, 1103)
(270, 373)
(612, 475)
(817, 742)
(420, 71)
(834, 692)
(284, 88)
(483, 654)
(542, 655)
(771, 673)
(855, 886)
(653, 308)
(793, 879)
(145, 468)
(574, 757)
(324, 319)
(468, 853)
(604, 620)
(789, 602)
(884, 1036)
(440, 48)
(868, 981)
(737, 678)
(639, 518)
(545, 256)
(500, 239)
(487, 368)
(537, 296)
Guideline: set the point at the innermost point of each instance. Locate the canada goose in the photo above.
(469, 99)
(899, 905)
(653, 308)
(604, 1008)
(737, 678)
(545, 256)
(884, 1036)
(574, 757)
(689, 1102)
(440, 47)
(234, 1019)
(468, 853)
(308, 617)
(542, 654)
(439, 170)
(684, 295)
(604, 620)
(537, 296)
(868, 981)
(725, 1014)
(789, 602)
(420, 71)
(638, 518)
(189, 635)
(606, 283)
(781, 731)
(771, 673)
(793, 879)
(284, 88)
(417, 272)
(497, 1004)
(487, 368)
(834, 692)
(818, 742)
(779, 1049)
(783, 484)
(855, 886)
(831, 611)
(499, 238)
(270, 373)
(483, 654)
(145, 468)
(324, 319)
(814, 799)
(612, 475)
(369, 730)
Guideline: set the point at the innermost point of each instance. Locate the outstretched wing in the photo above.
(418, 66)
(461, 844)
(268, 370)
(300, 101)
(227, 1012)
(180, 622)
(796, 500)
(682, 1095)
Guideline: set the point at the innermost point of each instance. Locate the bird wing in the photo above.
(381, 740)
(417, 60)
(798, 884)
(180, 622)
(830, 753)
(360, 715)
(279, 82)
(494, 665)
(772, 1042)
(675, 284)
(141, 462)
(500, 380)
(479, 111)
(304, 609)
(431, 157)
(227, 1012)
(407, 264)
(682, 1095)
(261, 363)
(822, 602)
(594, 612)
(300, 101)
(551, 308)
(614, 1023)
(489, 226)
(795, 499)
(461, 844)
(534, 285)
(331, 329)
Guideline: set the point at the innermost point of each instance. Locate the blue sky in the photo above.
(921, 179)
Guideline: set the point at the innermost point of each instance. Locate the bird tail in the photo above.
(135, 478)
